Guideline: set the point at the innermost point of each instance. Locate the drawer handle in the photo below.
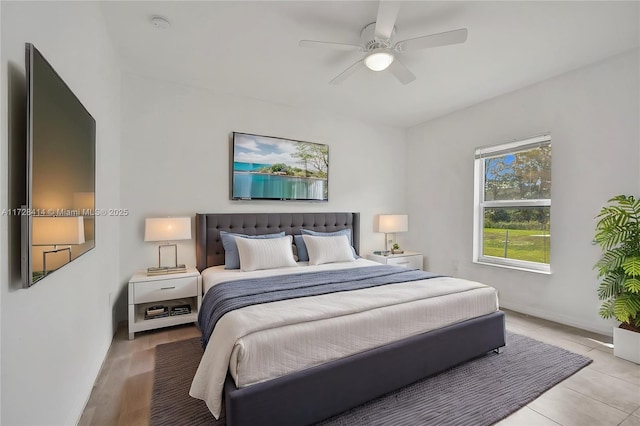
(168, 288)
(403, 263)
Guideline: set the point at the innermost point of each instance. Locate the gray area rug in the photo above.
(480, 392)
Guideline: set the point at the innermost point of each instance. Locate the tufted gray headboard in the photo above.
(209, 251)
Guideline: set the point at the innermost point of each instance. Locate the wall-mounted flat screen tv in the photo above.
(271, 168)
(58, 219)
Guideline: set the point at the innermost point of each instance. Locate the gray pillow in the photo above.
(231, 255)
(301, 248)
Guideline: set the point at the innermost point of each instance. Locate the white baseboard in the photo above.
(601, 327)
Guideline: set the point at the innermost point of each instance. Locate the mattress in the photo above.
(262, 342)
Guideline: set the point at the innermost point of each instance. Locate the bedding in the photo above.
(231, 295)
(231, 255)
(328, 249)
(260, 342)
(346, 232)
(301, 246)
(265, 253)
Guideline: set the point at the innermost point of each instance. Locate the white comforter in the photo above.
(265, 341)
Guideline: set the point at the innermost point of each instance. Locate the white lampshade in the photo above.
(392, 223)
(62, 230)
(379, 59)
(167, 229)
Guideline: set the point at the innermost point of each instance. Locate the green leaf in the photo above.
(606, 310)
(623, 200)
(611, 260)
(632, 285)
(611, 286)
(626, 306)
(611, 234)
(632, 266)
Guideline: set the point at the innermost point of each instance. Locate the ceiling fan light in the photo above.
(379, 59)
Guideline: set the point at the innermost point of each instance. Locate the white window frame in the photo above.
(480, 204)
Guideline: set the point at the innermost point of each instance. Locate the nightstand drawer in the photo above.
(166, 289)
(412, 262)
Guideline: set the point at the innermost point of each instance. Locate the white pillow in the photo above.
(328, 249)
(265, 253)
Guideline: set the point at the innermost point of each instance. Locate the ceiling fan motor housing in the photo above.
(369, 40)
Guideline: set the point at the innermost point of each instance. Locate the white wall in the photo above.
(175, 161)
(593, 115)
(55, 335)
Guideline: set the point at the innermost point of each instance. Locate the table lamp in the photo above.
(167, 229)
(391, 224)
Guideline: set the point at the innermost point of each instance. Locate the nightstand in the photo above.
(170, 290)
(408, 259)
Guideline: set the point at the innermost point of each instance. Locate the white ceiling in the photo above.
(250, 49)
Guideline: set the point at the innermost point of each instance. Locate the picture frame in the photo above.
(273, 168)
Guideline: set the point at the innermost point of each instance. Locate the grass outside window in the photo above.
(521, 244)
(513, 204)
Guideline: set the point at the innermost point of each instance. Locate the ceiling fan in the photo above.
(381, 50)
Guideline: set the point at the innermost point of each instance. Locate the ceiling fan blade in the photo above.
(347, 73)
(401, 72)
(386, 19)
(433, 40)
(329, 45)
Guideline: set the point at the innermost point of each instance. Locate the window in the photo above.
(513, 204)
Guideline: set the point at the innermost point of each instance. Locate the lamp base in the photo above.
(55, 250)
(180, 269)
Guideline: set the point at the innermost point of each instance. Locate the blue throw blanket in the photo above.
(231, 295)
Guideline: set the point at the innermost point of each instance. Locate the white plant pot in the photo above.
(626, 344)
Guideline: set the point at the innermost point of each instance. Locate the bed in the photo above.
(327, 382)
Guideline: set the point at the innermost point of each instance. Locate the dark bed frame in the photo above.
(317, 393)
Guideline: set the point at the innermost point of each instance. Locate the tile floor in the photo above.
(607, 392)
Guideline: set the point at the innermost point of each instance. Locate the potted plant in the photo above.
(618, 234)
(395, 249)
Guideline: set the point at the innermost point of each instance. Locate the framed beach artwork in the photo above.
(270, 168)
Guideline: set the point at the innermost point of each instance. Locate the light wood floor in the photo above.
(607, 392)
